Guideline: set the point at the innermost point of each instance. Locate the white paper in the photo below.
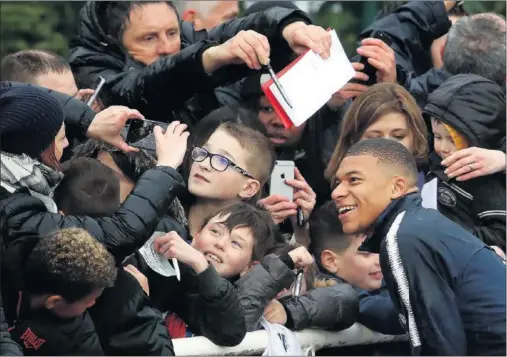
(429, 194)
(312, 81)
(157, 262)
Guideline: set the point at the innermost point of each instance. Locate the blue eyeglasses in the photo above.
(218, 162)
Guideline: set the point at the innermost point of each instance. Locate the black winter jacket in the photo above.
(333, 308)
(126, 322)
(7, 346)
(413, 27)
(475, 108)
(122, 233)
(447, 285)
(161, 90)
(207, 303)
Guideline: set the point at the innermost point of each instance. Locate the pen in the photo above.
(176, 268)
(278, 85)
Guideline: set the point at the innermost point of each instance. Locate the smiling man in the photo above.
(448, 286)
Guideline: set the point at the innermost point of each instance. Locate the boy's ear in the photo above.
(250, 189)
(61, 212)
(330, 261)
(53, 301)
(400, 187)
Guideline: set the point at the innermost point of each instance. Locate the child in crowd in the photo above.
(87, 188)
(232, 165)
(124, 319)
(458, 123)
(63, 276)
(205, 300)
(265, 286)
(338, 258)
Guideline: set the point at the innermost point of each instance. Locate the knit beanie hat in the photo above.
(30, 118)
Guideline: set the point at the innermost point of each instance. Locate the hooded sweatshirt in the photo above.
(475, 108)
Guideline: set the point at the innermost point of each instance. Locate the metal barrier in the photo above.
(311, 340)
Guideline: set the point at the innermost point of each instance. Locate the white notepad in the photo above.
(311, 81)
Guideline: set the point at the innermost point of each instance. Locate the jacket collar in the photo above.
(385, 220)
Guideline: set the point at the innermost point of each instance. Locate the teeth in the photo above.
(214, 257)
(345, 209)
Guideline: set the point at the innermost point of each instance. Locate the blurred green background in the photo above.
(51, 25)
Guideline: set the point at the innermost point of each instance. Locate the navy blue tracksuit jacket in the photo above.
(447, 285)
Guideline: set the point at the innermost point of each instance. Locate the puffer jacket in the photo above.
(475, 108)
(327, 308)
(122, 233)
(206, 303)
(161, 90)
(127, 323)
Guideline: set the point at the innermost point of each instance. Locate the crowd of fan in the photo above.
(401, 183)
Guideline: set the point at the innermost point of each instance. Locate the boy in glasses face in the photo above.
(233, 165)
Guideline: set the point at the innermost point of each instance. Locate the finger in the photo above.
(132, 114)
(357, 66)
(282, 206)
(158, 133)
(302, 39)
(261, 52)
(298, 175)
(297, 184)
(369, 51)
(180, 129)
(273, 199)
(470, 175)
(248, 55)
(355, 87)
(361, 77)
(282, 215)
(375, 42)
(303, 195)
(462, 167)
(379, 65)
(172, 127)
(120, 144)
(458, 155)
(306, 206)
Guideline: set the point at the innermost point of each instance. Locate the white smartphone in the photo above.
(283, 170)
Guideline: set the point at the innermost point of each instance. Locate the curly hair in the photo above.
(69, 263)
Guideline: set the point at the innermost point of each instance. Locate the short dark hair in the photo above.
(88, 188)
(260, 222)
(476, 45)
(132, 165)
(388, 152)
(115, 14)
(69, 263)
(326, 232)
(25, 66)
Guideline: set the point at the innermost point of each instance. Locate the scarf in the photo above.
(21, 171)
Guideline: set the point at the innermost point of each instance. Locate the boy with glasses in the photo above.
(233, 165)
